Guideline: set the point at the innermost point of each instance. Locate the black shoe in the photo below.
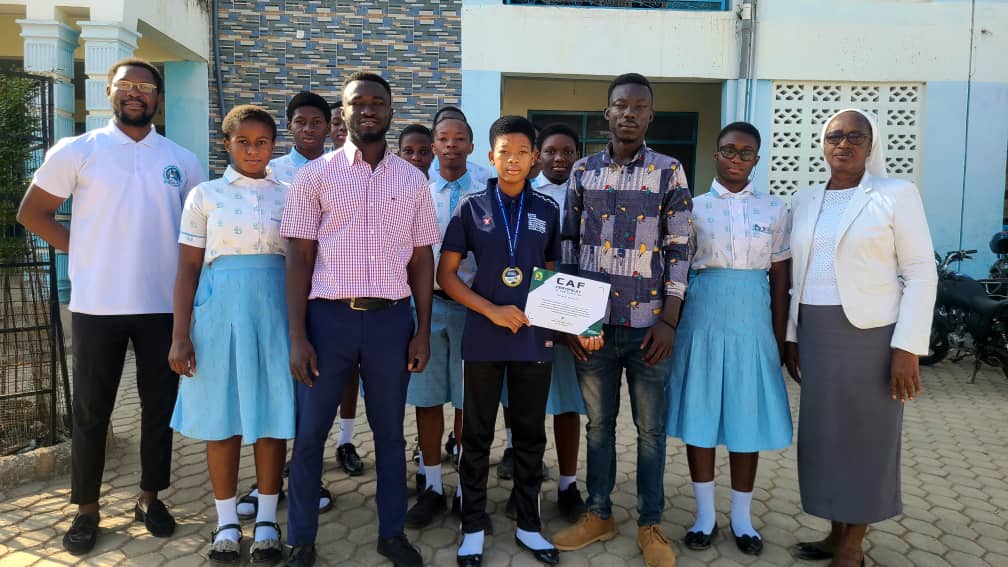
(474, 560)
(451, 446)
(428, 506)
(570, 503)
(349, 459)
(548, 556)
(400, 551)
(269, 551)
(301, 556)
(82, 535)
(699, 541)
(747, 544)
(505, 468)
(156, 517)
(810, 551)
(419, 482)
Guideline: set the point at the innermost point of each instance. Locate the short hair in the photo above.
(468, 127)
(742, 127)
(415, 129)
(629, 79)
(244, 112)
(512, 125)
(447, 108)
(137, 62)
(370, 78)
(308, 98)
(553, 130)
(336, 105)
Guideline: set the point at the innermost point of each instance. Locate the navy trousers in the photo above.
(343, 338)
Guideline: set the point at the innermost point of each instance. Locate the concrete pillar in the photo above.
(104, 44)
(48, 50)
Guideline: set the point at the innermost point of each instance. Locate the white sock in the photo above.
(345, 431)
(323, 501)
(247, 508)
(267, 513)
(533, 540)
(508, 432)
(566, 481)
(472, 544)
(740, 520)
(433, 475)
(706, 516)
(227, 513)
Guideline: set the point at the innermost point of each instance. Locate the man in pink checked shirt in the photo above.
(361, 224)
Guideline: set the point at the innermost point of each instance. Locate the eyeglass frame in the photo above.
(838, 138)
(723, 151)
(141, 88)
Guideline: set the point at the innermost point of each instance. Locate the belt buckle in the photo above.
(353, 305)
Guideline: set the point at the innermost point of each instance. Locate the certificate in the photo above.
(566, 303)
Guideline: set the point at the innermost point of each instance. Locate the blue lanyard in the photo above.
(512, 244)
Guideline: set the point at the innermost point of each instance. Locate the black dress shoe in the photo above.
(548, 556)
(505, 468)
(82, 535)
(571, 505)
(474, 560)
(399, 550)
(419, 482)
(750, 545)
(156, 518)
(699, 541)
(301, 556)
(429, 505)
(810, 551)
(349, 459)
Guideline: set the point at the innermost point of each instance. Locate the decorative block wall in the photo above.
(800, 108)
(415, 44)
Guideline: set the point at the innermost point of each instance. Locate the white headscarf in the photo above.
(876, 164)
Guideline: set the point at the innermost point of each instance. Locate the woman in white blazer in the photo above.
(863, 291)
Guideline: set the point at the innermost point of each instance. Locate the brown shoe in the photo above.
(656, 549)
(588, 529)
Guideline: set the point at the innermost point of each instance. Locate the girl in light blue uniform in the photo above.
(726, 385)
(237, 385)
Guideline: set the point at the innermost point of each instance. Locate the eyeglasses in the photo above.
(729, 152)
(124, 85)
(855, 138)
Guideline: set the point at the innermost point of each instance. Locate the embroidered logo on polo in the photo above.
(172, 176)
(537, 224)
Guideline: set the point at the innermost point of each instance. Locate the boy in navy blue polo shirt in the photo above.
(510, 229)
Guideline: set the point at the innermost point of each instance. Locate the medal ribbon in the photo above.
(512, 244)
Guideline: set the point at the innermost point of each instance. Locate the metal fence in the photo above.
(34, 382)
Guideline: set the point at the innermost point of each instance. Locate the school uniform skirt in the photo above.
(726, 385)
(242, 384)
(849, 426)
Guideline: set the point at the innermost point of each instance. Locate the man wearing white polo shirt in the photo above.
(128, 184)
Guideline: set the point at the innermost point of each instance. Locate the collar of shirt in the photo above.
(638, 159)
(353, 153)
(722, 192)
(541, 181)
(505, 198)
(152, 139)
(441, 183)
(232, 176)
(298, 158)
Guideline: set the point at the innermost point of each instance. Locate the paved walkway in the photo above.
(955, 493)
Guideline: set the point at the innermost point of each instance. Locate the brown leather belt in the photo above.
(370, 303)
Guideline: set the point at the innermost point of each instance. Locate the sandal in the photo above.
(249, 498)
(267, 550)
(225, 551)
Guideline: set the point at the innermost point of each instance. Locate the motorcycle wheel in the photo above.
(938, 347)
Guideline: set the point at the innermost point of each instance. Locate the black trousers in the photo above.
(99, 353)
(528, 388)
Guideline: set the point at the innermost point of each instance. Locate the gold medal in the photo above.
(512, 276)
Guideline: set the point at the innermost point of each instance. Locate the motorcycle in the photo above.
(967, 319)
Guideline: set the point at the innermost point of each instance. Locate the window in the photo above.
(671, 133)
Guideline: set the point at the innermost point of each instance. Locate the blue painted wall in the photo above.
(187, 106)
(481, 102)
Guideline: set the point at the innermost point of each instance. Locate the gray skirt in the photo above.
(849, 426)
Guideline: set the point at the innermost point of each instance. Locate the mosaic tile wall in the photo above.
(414, 44)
